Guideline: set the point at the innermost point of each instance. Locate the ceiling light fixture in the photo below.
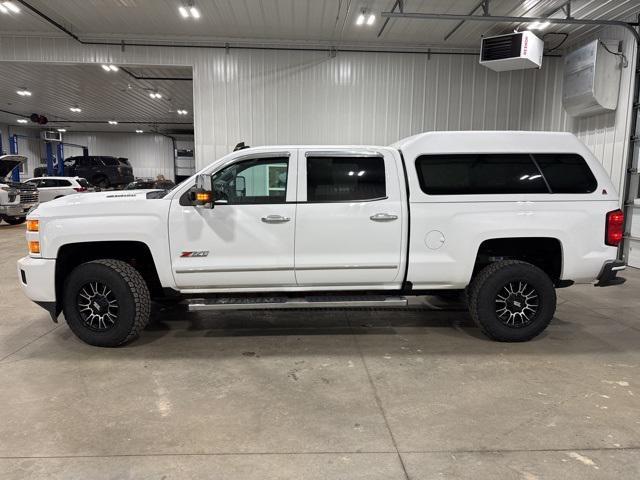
(182, 112)
(22, 120)
(62, 130)
(3, 9)
(112, 122)
(110, 68)
(23, 92)
(11, 6)
(75, 109)
(188, 9)
(365, 16)
(155, 95)
(139, 131)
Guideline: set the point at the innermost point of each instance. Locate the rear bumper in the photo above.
(609, 274)
(37, 279)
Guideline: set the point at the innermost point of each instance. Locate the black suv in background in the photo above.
(101, 171)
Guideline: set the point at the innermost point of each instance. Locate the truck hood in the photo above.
(9, 162)
(119, 202)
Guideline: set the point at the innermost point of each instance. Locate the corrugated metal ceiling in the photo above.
(101, 96)
(315, 21)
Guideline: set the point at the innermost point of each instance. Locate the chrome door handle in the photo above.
(275, 219)
(383, 217)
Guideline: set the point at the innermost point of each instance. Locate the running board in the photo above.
(281, 303)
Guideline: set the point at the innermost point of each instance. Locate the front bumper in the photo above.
(17, 210)
(608, 274)
(37, 279)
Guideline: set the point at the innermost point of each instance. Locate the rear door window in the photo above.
(479, 174)
(343, 179)
(109, 161)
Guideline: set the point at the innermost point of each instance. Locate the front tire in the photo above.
(106, 302)
(14, 220)
(512, 301)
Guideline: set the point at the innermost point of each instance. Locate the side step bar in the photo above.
(281, 303)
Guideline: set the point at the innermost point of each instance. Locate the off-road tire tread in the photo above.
(139, 290)
(473, 293)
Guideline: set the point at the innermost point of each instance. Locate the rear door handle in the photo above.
(383, 217)
(275, 219)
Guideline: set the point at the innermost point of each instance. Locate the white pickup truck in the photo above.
(16, 198)
(507, 217)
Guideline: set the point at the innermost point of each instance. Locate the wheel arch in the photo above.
(544, 252)
(135, 253)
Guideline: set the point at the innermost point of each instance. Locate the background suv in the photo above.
(101, 171)
(50, 188)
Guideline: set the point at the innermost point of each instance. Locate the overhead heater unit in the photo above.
(49, 136)
(513, 51)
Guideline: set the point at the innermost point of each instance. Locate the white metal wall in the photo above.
(149, 154)
(267, 97)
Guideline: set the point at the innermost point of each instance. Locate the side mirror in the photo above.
(204, 191)
(241, 186)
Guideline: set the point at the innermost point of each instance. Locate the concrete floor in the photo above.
(339, 394)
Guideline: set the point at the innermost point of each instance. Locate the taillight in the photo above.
(81, 189)
(614, 228)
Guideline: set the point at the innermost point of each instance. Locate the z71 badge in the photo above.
(201, 253)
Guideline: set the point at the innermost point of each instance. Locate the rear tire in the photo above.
(106, 302)
(14, 220)
(101, 182)
(512, 301)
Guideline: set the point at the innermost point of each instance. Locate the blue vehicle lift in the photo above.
(13, 150)
(55, 162)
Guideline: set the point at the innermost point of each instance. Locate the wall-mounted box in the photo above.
(592, 79)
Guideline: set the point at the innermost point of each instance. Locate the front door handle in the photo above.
(383, 217)
(275, 219)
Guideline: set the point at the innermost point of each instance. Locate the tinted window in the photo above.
(566, 173)
(336, 179)
(62, 183)
(83, 183)
(472, 174)
(252, 181)
(47, 183)
(109, 161)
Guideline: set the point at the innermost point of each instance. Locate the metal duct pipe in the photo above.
(500, 18)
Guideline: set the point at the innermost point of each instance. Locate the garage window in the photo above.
(344, 179)
(478, 174)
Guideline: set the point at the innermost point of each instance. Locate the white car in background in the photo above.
(50, 188)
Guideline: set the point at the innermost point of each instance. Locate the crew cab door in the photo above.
(247, 240)
(351, 219)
